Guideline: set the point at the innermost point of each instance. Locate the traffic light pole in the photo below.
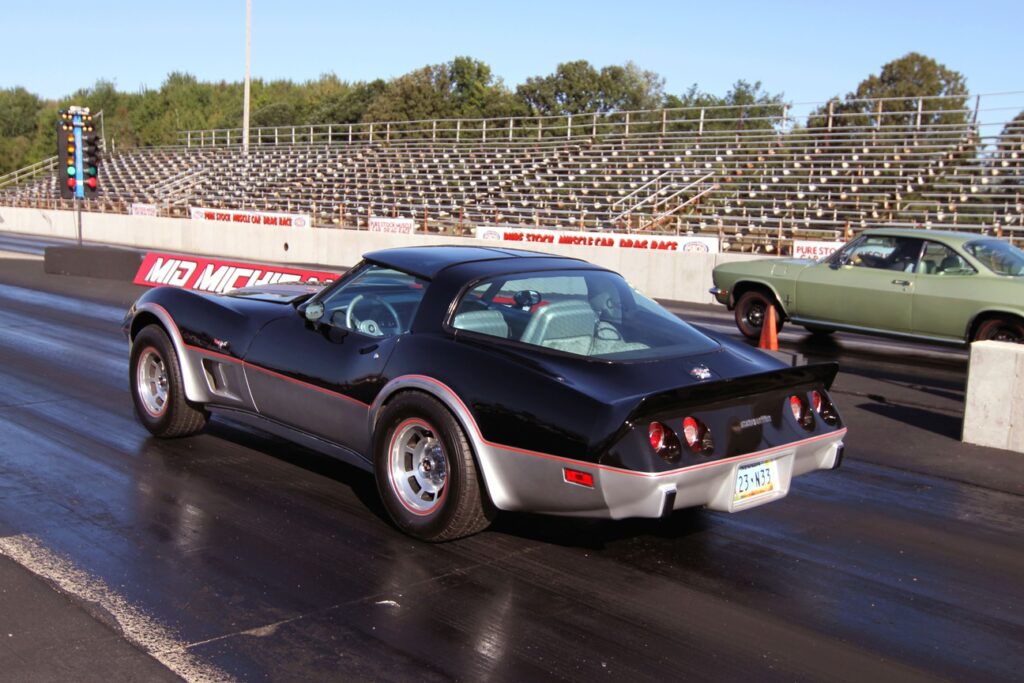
(78, 219)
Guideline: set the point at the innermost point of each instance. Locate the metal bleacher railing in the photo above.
(655, 122)
(756, 176)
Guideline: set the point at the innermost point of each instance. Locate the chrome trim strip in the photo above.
(842, 327)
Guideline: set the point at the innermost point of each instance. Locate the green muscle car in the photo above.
(949, 287)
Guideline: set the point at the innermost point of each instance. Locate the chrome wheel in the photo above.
(152, 382)
(418, 467)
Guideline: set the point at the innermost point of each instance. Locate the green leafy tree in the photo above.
(910, 78)
(18, 114)
(747, 106)
(579, 88)
(18, 108)
(461, 88)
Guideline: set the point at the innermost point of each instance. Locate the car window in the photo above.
(1002, 258)
(883, 252)
(938, 259)
(377, 301)
(585, 313)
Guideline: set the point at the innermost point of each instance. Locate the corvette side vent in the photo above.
(217, 378)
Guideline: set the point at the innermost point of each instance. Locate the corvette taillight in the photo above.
(823, 407)
(663, 442)
(801, 413)
(656, 435)
(698, 436)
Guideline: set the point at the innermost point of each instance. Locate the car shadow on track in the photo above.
(599, 534)
(592, 534)
(360, 482)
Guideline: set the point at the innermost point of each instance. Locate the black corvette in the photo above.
(471, 380)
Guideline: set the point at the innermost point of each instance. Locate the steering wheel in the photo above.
(369, 326)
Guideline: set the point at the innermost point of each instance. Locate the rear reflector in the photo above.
(578, 477)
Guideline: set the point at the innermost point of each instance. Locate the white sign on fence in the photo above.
(617, 240)
(139, 209)
(813, 249)
(404, 226)
(251, 217)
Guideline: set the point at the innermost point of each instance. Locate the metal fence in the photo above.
(919, 113)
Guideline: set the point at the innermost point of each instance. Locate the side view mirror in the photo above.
(314, 312)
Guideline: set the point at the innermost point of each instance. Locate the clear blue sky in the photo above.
(806, 50)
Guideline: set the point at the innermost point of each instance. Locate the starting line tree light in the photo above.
(78, 146)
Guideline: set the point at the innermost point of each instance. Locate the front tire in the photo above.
(425, 471)
(1000, 329)
(751, 310)
(158, 391)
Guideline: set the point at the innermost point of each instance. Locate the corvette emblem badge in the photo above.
(700, 372)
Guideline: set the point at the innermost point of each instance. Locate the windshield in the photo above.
(585, 313)
(374, 300)
(1002, 258)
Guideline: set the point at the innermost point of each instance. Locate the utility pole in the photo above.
(248, 50)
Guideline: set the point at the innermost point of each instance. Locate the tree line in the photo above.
(462, 88)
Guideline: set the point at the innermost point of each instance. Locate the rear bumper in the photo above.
(518, 480)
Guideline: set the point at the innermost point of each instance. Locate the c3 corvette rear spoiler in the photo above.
(819, 374)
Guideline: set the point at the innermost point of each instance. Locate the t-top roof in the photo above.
(429, 261)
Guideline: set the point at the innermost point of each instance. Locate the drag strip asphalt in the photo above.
(236, 555)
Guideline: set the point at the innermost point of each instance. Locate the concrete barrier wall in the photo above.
(665, 275)
(994, 406)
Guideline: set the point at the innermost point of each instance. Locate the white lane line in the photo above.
(138, 627)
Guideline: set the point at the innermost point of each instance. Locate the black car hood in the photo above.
(277, 293)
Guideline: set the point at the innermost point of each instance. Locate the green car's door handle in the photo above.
(901, 283)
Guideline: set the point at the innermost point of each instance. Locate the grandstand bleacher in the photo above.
(667, 172)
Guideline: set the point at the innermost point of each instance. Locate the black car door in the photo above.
(321, 376)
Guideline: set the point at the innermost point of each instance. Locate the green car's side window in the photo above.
(887, 253)
(938, 259)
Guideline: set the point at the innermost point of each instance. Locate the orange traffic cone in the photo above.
(769, 333)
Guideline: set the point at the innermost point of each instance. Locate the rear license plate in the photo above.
(755, 479)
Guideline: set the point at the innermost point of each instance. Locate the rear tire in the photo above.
(426, 473)
(158, 392)
(1000, 329)
(751, 309)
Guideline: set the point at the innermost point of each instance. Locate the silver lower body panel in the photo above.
(521, 480)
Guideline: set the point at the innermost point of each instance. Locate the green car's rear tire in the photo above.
(1001, 329)
(750, 313)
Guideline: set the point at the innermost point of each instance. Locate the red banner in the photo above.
(214, 275)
